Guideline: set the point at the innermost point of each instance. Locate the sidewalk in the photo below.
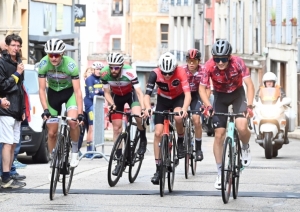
(108, 135)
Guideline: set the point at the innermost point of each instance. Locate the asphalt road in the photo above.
(267, 185)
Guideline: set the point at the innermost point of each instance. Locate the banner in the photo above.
(79, 15)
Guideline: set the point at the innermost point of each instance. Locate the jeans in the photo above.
(16, 152)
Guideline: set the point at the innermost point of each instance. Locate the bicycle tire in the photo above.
(68, 171)
(163, 164)
(172, 157)
(120, 142)
(226, 171)
(237, 167)
(187, 143)
(136, 159)
(56, 160)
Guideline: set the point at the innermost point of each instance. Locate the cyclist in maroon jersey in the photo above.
(194, 73)
(173, 93)
(228, 73)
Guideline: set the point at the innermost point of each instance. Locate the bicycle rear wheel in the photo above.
(163, 164)
(172, 157)
(67, 170)
(56, 161)
(136, 160)
(115, 161)
(226, 176)
(188, 155)
(237, 167)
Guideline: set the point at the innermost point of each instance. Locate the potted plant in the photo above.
(284, 22)
(294, 21)
(273, 17)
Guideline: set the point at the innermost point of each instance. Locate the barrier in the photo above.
(98, 124)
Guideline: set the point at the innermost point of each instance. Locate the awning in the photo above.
(43, 38)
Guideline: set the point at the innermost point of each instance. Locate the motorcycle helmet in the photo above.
(269, 76)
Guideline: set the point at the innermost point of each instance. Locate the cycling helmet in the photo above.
(269, 76)
(55, 46)
(167, 62)
(97, 65)
(193, 54)
(221, 48)
(115, 59)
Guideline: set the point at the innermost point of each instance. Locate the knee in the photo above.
(52, 134)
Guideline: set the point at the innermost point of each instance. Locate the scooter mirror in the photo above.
(286, 101)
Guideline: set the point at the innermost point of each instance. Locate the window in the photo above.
(116, 44)
(117, 8)
(164, 31)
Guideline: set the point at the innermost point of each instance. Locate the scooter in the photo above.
(270, 120)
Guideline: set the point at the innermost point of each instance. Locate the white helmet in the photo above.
(269, 76)
(167, 62)
(97, 65)
(55, 46)
(115, 59)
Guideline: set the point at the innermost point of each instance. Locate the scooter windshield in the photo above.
(269, 95)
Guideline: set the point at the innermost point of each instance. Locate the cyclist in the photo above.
(228, 73)
(194, 73)
(124, 88)
(93, 86)
(63, 87)
(173, 93)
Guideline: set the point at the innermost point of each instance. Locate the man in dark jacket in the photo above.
(11, 78)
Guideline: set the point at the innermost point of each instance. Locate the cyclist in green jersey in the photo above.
(121, 85)
(62, 77)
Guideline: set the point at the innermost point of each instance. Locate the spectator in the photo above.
(11, 82)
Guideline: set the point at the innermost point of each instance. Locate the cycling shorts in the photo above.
(167, 104)
(55, 99)
(196, 101)
(130, 98)
(223, 100)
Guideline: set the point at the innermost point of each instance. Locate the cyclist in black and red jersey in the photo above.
(194, 73)
(173, 93)
(228, 73)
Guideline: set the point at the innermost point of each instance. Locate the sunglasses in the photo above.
(219, 59)
(166, 74)
(54, 55)
(115, 67)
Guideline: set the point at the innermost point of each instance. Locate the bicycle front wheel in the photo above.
(67, 171)
(56, 161)
(163, 164)
(237, 167)
(171, 171)
(226, 176)
(188, 155)
(117, 160)
(136, 159)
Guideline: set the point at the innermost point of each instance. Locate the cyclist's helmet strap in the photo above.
(221, 48)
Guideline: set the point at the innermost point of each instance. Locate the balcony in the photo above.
(288, 35)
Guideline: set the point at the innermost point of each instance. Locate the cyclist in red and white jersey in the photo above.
(228, 73)
(173, 93)
(195, 73)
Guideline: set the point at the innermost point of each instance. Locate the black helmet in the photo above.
(221, 48)
(193, 54)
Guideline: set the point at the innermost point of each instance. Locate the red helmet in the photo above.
(193, 54)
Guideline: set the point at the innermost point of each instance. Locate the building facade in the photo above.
(14, 19)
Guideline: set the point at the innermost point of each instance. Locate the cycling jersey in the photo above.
(194, 79)
(171, 88)
(122, 85)
(93, 86)
(58, 77)
(228, 80)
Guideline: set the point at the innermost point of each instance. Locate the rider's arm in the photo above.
(250, 90)
(140, 96)
(149, 89)
(107, 95)
(42, 92)
(203, 95)
(78, 95)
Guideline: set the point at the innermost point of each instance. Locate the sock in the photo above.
(74, 147)
(245, 146)
(198, 142)
(157, 161)
(143, 133)
(119, 153)
(219, 168)
(5, 176)
(89, 146)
